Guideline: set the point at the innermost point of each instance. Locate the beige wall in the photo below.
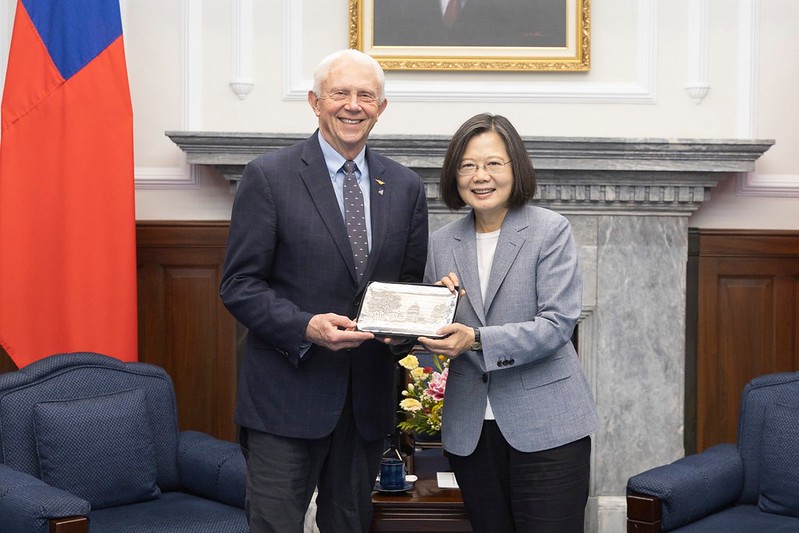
(182, 56)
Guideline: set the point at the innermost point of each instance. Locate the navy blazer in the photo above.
(289, 258)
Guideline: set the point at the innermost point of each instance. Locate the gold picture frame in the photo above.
(409, 35)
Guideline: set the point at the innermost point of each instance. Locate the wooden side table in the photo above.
(425, 508)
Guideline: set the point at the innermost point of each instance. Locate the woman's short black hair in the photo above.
(523, 173)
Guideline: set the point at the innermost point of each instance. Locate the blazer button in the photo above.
(485, 377)
(512, 361)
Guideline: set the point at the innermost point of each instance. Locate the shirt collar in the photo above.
(444, 4)
(335, 160)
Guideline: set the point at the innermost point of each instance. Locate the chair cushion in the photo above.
(99, 448)
(742, 519)
(173, 512)
(779, 458)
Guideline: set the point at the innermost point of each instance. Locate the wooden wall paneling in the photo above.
(183, 326)
(691, 325)
(746, 321)
(6, 364)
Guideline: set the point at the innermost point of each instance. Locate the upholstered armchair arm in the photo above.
(212, 468)
(694, 486)
(29, 504)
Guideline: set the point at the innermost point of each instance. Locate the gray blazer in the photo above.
(528, 366)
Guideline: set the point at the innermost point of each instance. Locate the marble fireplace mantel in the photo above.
(575, 175)
(628, 201)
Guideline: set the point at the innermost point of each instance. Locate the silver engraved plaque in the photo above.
(406, 309)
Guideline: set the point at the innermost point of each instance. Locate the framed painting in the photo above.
(498, 35)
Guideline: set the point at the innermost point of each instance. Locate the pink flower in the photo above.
(438, 382)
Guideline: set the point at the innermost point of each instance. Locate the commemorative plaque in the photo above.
(406, 309)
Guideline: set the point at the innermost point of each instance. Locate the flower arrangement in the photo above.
(424, 395)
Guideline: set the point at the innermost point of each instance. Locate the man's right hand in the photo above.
(335, 332)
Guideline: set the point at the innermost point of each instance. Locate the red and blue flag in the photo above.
(67, 211)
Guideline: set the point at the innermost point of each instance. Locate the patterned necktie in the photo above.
(451, 13)
(355, 219)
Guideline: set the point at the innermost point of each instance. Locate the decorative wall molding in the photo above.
(642, 90)
(6, 16)
(183, 176)
(123, 14)
(242, 81)
(586, 345)
(752, 183)
(191, 58)
(575, 175)
(697, 86)
(167, 178)
(748, 50)
(757, 184)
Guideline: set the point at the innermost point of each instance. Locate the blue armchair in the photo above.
(88, 442)
(749, 486)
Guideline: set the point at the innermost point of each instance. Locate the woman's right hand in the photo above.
(450, 281)
(456, 339)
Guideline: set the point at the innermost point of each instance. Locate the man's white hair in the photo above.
(323, 69)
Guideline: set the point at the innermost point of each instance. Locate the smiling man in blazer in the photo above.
(316, 397)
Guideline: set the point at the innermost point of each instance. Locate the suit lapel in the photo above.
(465, 255)
(379, 201)
(510, 242)
(317, 181)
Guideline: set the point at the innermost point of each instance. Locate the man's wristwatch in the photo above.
(477, 345)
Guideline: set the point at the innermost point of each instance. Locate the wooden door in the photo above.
(747, 321)
(183, 326)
